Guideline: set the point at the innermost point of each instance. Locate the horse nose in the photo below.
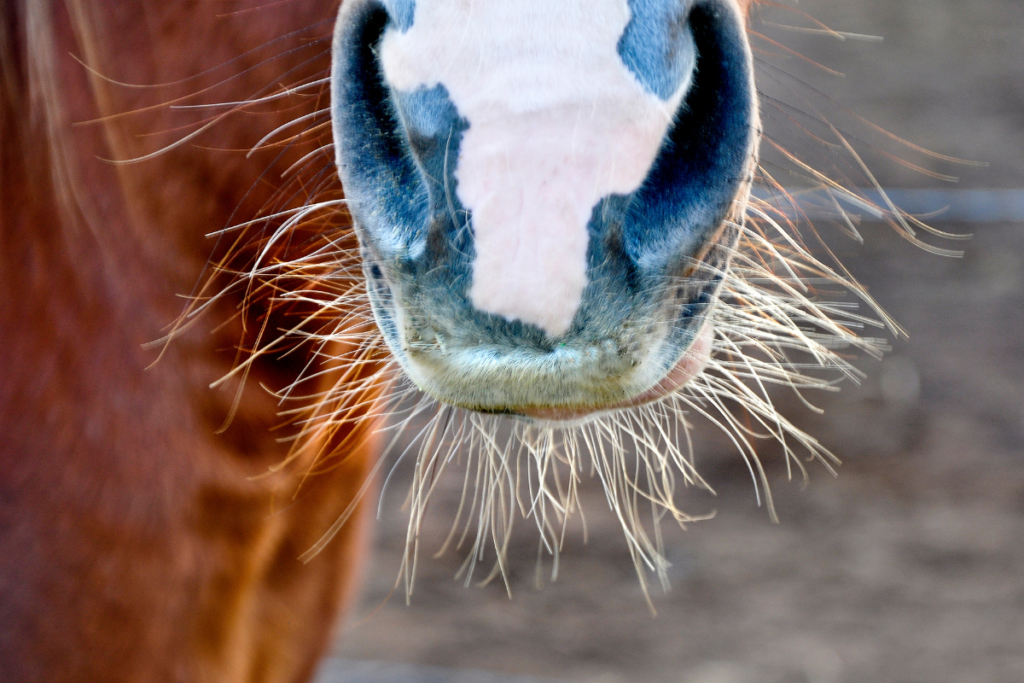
(529, 179)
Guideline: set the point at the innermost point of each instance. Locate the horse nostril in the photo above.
(383, 185)
(707, 153)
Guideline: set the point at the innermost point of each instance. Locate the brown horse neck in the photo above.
(138, 543)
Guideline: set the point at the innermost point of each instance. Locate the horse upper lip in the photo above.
(536, 385)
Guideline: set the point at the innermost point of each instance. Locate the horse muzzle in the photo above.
(546, 194)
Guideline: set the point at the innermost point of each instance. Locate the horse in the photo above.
(232, 232)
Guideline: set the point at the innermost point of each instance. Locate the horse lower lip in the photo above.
(691, 365)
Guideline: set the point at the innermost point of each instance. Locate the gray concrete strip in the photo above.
(334, 670)
(938, 204)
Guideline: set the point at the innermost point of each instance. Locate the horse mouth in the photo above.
(689, 366)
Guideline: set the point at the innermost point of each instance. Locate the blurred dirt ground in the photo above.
(908, 567)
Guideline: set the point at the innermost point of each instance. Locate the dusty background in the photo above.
(907, 568)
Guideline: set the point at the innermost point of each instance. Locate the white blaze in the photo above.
(556, 122)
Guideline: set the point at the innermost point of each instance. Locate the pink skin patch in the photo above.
(691, 365)
(556, 123)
